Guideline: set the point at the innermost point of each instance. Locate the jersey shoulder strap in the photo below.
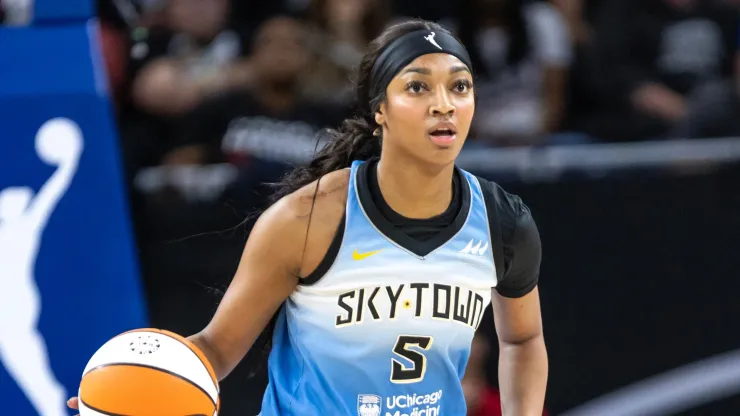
(491, 196)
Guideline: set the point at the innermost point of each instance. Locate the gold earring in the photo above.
(376, 132)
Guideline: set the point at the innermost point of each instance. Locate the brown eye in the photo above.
(415, 87)
(462, 86)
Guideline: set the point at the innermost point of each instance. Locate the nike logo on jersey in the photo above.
(356, 255)
(477, 249)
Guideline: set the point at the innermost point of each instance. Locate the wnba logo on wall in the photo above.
(23, 218)
(368, 405)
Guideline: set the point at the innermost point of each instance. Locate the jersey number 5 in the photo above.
(401, 374)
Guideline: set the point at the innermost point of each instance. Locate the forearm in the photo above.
(163, 88)
(523, 377)
(219, 364)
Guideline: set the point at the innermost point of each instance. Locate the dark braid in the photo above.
(353, 140)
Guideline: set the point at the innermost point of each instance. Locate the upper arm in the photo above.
(515, 300)
(281, 247)
(517, 319)
(522, 251)
(265, 277)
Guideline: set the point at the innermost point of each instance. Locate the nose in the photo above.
(442, 105)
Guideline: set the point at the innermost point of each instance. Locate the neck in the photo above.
(413, 190)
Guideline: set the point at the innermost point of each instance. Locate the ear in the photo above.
(380, 114)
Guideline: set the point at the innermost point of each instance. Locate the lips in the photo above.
(443, 134)
(445, 128)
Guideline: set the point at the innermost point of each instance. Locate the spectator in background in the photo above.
(188, 56)
(481, 399)
(574, 14)
(341, 29)
(183, 52)
(671, 63)
(272, 119)
(586, 87)
(521, 52)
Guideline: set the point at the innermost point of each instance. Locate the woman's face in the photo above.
(428, 109)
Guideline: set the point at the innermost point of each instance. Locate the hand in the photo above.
(660, 101)
(73, 404)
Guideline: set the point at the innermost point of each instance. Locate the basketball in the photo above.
(149, 372)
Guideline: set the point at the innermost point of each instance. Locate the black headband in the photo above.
(408, 47)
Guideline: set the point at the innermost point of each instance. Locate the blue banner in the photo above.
(68, 276)
(50, 11)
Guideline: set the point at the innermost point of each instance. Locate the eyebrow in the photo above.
(423, 71)
(459, 68)
(427, 71)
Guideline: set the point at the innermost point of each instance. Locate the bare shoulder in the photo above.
(305, 221)
(320, 197)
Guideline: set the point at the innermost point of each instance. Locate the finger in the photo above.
(73, 403)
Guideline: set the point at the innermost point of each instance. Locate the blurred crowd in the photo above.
(204, 82)
(198, 81)
(217, 89)
(212, 96)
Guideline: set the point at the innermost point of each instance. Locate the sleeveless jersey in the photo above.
(387, 329)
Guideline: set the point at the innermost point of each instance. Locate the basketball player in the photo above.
(380, 256)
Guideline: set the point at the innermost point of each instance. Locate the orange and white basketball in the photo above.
(149, 372)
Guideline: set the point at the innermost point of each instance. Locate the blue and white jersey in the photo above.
(387, 329)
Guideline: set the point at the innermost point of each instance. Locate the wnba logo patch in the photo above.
(368, 405)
